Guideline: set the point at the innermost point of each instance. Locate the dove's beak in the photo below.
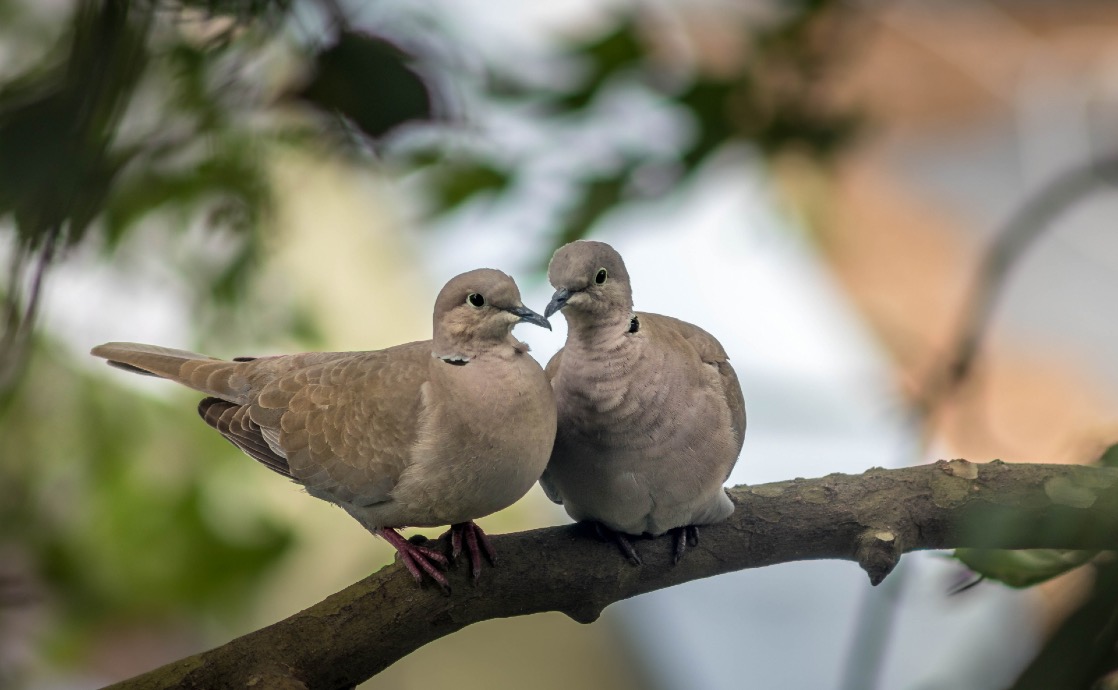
(528, 316)
(558, 301)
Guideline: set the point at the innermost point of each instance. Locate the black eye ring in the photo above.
(601, 277)
(475, 299)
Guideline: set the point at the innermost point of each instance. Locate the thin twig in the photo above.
(1032, 219)
(14, 345)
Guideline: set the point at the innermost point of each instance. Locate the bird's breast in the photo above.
(488, 435)
(617, 398)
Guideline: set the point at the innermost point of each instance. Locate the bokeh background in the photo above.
(818, 183)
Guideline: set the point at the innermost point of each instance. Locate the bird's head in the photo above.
(478, 309)
(590, 280)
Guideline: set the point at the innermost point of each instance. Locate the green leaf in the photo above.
(614, 52)
(57, 123)
(1082, 648)
(116, 515)
(455, 184)
(709, 102)
(598, 197)
(370, 81)
(1109, 457)
(1023, 567)
(231, 177)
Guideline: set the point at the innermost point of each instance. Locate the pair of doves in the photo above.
(634, 425)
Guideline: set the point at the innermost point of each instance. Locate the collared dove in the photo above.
(651, 416)
(437, 432)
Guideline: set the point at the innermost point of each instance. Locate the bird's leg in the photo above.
(476, 543)
(418, 559)
(685, 536)
(622, 541)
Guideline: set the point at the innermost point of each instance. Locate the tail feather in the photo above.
(205, 374)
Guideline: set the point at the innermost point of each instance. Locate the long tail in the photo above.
(216, 377)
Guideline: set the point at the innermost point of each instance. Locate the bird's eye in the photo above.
(601, 277)
(475, 299)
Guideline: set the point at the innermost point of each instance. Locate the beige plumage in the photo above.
(651, 416)
(429, 433)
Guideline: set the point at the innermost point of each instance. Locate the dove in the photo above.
(651, 414)
(429, 433)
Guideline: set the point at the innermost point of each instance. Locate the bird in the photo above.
(651, 414)
(429, 433)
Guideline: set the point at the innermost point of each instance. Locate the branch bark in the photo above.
(870, 518)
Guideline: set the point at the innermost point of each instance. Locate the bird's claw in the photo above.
(468, 537)
(419, 560)
(685, 536)
(624, 544)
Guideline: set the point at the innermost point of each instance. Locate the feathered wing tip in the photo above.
(234, 423)
(201, 372)
(152, 359)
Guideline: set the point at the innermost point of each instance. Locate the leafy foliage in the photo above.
(1082, 654)
(1022, 568)
(746, 106)
(1085, 646)
(56, 127)
(111, 500)
(1029, 567)
(368, 80)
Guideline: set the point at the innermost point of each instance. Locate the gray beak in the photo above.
(558, 301)
(528, 316)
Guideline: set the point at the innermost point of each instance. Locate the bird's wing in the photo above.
(711, 352)
(233, 422)
(347, 424)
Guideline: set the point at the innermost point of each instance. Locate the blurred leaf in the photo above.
(56, 127)
(242, 9)
(597, 198)
(231, 187)
(227, 175)
(821, 135)
(615, 51)
(709, 102)
(1083, 648)
(1029, 567)
(111, 500)
(1025, 567)
(232, 281)
(454, 184)
(1107, 682)
(1109, 457)
(370, 81)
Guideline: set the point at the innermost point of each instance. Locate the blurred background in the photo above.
(895, 215)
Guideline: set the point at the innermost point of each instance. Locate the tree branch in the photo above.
(870, 518)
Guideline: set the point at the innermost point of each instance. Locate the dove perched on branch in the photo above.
(651, 416)
(437, 432)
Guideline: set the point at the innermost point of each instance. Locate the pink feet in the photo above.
(476, 544)
(423, 560)
(419, 560)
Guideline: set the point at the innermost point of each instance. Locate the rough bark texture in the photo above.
(870, 518)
